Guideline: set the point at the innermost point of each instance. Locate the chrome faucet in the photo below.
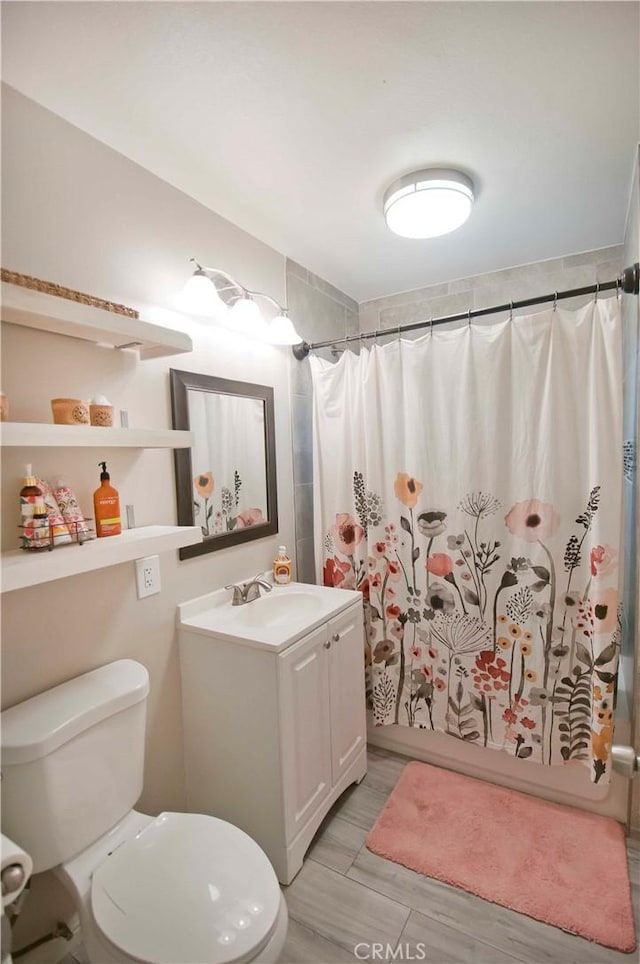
(248, 591)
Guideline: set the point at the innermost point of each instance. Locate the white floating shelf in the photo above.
(21, 569)
(91, 436)
(34, 309)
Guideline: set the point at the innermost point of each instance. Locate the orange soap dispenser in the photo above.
(106, 506)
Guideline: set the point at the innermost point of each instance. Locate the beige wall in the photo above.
(78, 213)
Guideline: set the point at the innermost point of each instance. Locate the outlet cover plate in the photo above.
(148, 576)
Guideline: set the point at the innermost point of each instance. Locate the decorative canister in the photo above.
(101, 414)
(101, 411)
(70, 411)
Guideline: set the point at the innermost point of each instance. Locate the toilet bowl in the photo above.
(176, 888)
(180, 888)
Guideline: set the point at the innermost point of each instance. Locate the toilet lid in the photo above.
(187, 888)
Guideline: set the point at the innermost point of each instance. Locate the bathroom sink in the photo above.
(278, 607)
(271, 622)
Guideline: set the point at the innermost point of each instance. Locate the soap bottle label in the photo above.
(282, 572)
(282, 569)
(109, 522)
(35, 525)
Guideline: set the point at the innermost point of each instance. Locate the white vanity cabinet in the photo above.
(275, 733)
(321, 683)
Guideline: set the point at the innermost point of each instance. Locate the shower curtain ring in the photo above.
(555, 301)
(511, 311)
(618, 288)
(597, 290)
(430, 327)
(469, 318)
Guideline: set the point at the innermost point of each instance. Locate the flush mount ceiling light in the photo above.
(426, 204)
(201, 296)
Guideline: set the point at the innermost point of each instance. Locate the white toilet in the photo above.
(176, 889)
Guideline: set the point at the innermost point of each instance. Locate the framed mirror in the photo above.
(226, 483)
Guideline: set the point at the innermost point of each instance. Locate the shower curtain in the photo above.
(469, 485)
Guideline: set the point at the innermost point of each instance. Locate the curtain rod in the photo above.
(628, 282)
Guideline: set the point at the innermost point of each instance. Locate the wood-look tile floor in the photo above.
(345, 896)
(346, 899)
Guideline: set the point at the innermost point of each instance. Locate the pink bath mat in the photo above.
(563, 866)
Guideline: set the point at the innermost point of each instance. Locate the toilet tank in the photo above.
(73, 761)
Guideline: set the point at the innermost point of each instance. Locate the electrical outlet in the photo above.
(148, 576)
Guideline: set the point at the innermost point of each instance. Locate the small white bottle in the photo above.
(282, 567)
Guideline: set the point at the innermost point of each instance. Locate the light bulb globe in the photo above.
(200, 297)
(282, 331)
(245, 318)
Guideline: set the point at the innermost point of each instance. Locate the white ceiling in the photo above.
(290, 119)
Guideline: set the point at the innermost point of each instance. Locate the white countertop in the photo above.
(272, 622)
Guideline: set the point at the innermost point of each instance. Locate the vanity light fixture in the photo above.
(282, 331)
(244, 317)
(200, 296)
(237, 309)
(428, 203)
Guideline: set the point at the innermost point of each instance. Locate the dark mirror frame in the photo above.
(181, 383)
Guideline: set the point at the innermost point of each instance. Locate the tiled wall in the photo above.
(320, 312)
(495, 288)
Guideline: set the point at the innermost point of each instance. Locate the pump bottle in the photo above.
(106, 506)
(33, 511)
(282, 567)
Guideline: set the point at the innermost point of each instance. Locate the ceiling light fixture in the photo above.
(202, 296)
(428, 203)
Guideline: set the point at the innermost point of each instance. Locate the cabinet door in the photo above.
(346, 686)
(303, 678)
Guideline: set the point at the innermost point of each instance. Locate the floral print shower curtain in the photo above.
(469, 485)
